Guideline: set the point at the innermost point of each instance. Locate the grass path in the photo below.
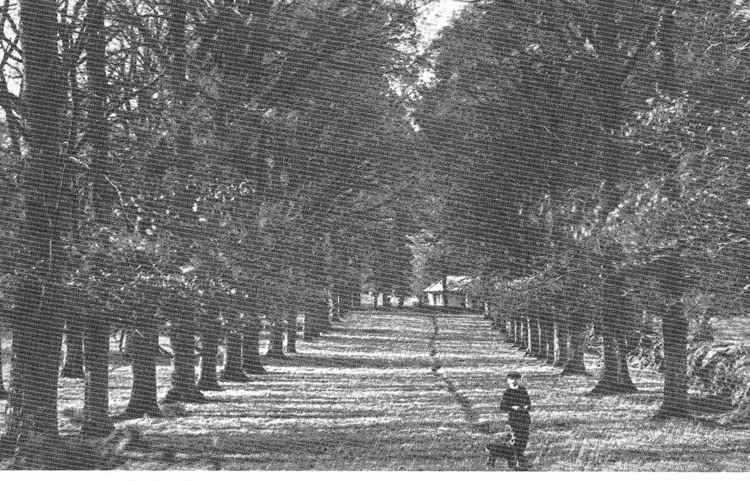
(392, 391)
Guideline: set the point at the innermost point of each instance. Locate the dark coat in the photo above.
(517, 418)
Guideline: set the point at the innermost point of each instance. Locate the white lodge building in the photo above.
(455, 295)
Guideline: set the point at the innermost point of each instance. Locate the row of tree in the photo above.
(591, 158)
(191, 168)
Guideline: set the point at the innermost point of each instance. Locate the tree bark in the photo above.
(561, 340)
(672, 281)
(96, 419)
(547, 339)
(675, 332)
(183, 387)
(250, 354)
(315, 311)
(535, 337)
(3, 392)
(73, 365)
(574, 364)
(233, 361)
(143, 347)
(276, 349)
(615, 377)
(511, 330)
(608, 95)
(31, 412)
(327, 320)
(291, 333)
(208, 380)
(523, 345)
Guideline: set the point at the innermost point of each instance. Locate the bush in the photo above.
(721, 370)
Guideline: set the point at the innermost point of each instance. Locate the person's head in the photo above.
(514, 379)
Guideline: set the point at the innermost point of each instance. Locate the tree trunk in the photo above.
(31, 412)
(73, 365)
(615, 378)
(574, 364)
(96, 420)
(547, 339)
(512, 336)
(523, 345)
(335, 310)
(208, 380)
(183, 346)
(314, 313)
(672, 282)
(675, 331)
(327, 319)
(233, 361)
(276, 348)
(535, 336)
(250, 355)
(142, 348)
(560, 344)
(3, 392)
(291, 334)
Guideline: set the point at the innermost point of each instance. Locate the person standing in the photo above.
(516, 403)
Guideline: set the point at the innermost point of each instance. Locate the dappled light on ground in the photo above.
(369, 395)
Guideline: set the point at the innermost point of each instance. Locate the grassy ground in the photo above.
(390, 392)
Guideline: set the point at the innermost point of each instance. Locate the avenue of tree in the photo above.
(204, 169)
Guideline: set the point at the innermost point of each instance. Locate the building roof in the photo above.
(455, 284)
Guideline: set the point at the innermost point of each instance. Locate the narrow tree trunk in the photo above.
(291, 334)
(523, 345)
(96, 420)
(511, 333)
(560, 344)
(276, 348)
(143, 347)
(250, 355)
(73, 365)
(548, 343)
(183, 346)
(535, 336)
(233, 361)
(574, 364)
(335, 310)
(3, 392)
(31, 412)
(208, 380)
(328, 318)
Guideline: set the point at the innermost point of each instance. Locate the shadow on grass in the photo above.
(334, 361)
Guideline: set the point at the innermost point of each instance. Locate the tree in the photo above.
(37, 330)
(3, 392)
(142, 350)
(97, 320)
